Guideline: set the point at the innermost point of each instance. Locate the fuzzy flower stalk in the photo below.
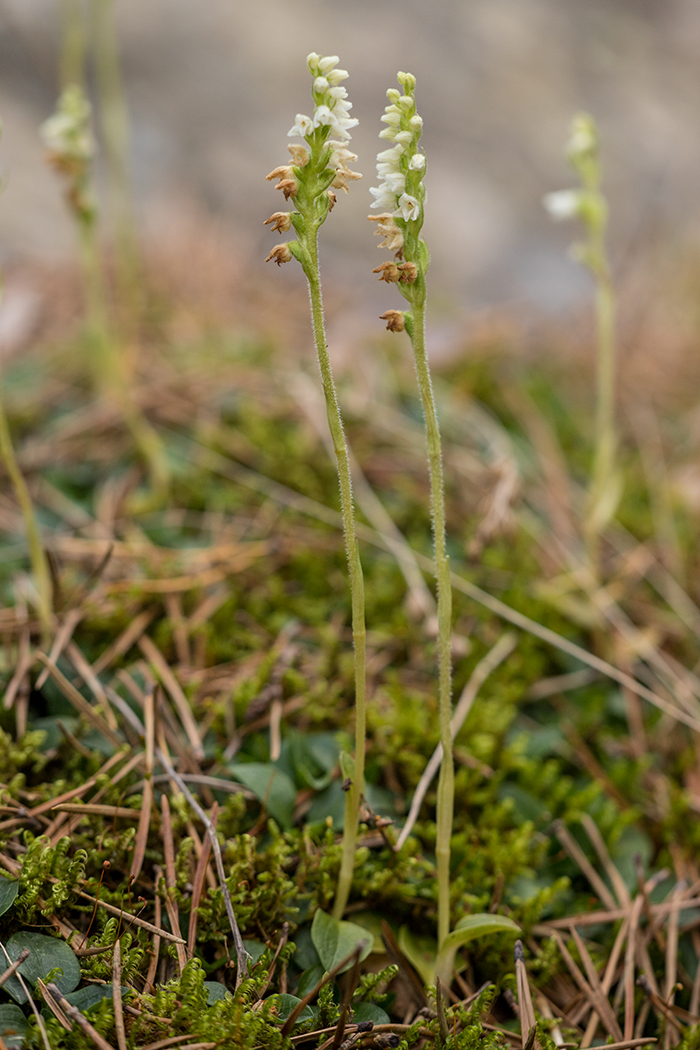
(401, 198)
(319, 167)
(588, 204)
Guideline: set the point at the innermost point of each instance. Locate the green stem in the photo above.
(445, 798)
(114, 122)
(601, 496)
(357, 588)
(37, 554)
(72, 55)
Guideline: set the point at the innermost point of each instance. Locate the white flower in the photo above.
(402, 137)
(303, 126)
(334, 76)
(562, 204)
(417, 162)
(409, 208)
(383, 197)
(323, 116)
(326, 64)
(321, 85)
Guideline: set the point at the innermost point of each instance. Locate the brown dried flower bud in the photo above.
(332, 198)
(300, 154)
(394, 320)
(388, 272)
(281, 221)
(409, 272)
(280, 253)
(284, 171)
(289, 187)
(342, 177)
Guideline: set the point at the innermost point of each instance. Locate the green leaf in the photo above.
(13, 1025)
(270, 786)
(420, 952)
(286, 1004)
(369, 1012)
(309, 979)
(91, 995)
(8, 891)
(215, 991)
(46, 954)
(334, 939)
(467, 929)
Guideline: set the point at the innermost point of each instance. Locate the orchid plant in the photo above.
(320, 166)
(401, 196)
(588, 204)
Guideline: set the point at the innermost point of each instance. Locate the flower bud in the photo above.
(281, 221)
(280, 253)
(388, 272)
(409, 273)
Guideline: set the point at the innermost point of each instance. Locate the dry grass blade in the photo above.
(63, 635)
(528, 1024)
(149, 985)
(672, 957)
(117, 1004)
(629, 965)
(24, 662)
(74, 1014)
(170, 880)
(576, 853)
(81, 704)
(409, 975)
(147, 795)
(618, 883)
(126, 639)
(495, 656)
(327, 977)
(167, 678)
(602, 1005)
(91, 680)
(199, 880)
(135, 920)
(53, 1006)
(97, 809)
(241, 953)
(607, 981)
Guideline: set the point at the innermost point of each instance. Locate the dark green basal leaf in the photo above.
(334, 939)
(287, 1002)
(369, 1012)
(91, 995)
(271, 786)
(215, 991)
(46, 954)
(13, 1026)
(8, 892)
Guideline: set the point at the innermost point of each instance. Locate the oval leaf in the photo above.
(286, 1003)
(215, 991)
(271, 786)
(13, 1025)
(46, 954)
(334, 939)
(467, 929)
(8, 891)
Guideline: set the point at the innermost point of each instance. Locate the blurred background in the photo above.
(213, 87)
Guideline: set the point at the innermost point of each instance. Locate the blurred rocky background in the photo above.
(213, 87)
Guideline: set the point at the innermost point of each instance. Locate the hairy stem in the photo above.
(445, 798)
(357, 587)
(601, 495)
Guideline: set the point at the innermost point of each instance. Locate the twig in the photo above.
(117, 995)
(170, 880)
(14, 967)
(241, 953)
(75, 1015)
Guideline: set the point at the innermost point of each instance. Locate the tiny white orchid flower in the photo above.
(417, 162)
(303, 126)
(409, 208)
(562, 204)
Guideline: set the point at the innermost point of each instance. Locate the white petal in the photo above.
(417, 162)
(562, 204)
(409, 208)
